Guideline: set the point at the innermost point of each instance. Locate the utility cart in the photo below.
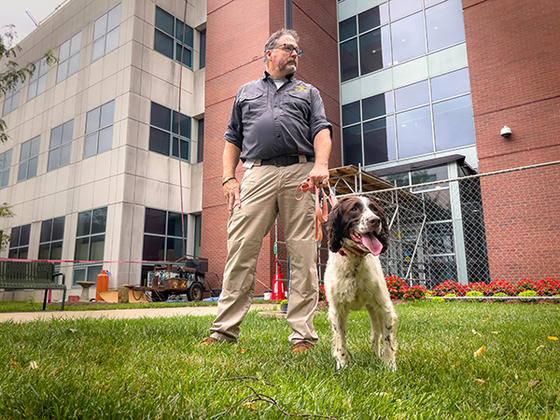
(184, 276)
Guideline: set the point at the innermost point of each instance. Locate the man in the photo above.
(279, 130)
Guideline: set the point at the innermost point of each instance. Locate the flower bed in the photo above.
(399, 289)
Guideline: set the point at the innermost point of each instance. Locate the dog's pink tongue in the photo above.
(373, 244)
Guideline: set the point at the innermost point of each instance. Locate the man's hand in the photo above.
(318, 176)
(231, 193)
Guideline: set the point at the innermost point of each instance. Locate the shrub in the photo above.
(415, 293)
(500, 294)
(438, 299)
(322, 293)
(528, 293)
(548, 287)
(500, 286)
(397, 287)
(450, 286)
(479, 287)
(474, 293)
(450, 295)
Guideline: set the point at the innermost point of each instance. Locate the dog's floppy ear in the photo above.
(335, 228)
(384, 235)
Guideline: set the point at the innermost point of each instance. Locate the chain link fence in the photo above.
(502, 225)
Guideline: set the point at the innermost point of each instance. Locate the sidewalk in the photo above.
(120, 313)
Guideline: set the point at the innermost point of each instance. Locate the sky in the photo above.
(13, 12)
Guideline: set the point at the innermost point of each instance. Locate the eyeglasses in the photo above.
(290, 49)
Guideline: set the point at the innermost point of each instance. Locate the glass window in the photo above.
(51, 238)
(379, 140)
(174, 39)
(351, 113)
(163, 233)
(408, 38)
(347, 28)
(352, 145)
(200, 150)
(401, 8)
(99, 129)
(11, 98)
(5, 163)
(90, 243)
(69, 57)
(163, 132)
(412, 95)
(414, 132)
(445, 25)
(38, 80)
(378, 105)
(197, 230)
(453, 123)
(202, 60)
(60, 146)
(450, 84)
(371, 57)
(106, 33)
(436, 173)
(369, 19)
(349, 59)
(28, 159)
(19, 242)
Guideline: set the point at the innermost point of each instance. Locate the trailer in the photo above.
(186, 276)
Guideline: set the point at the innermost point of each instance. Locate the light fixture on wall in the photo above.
(505, 132)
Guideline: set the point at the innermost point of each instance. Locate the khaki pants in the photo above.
(267, 191)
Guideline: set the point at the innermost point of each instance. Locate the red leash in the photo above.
(321, 204)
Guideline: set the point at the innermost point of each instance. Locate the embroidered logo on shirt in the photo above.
(300, 88)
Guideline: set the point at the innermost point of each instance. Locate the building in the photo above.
(91, 167)
(416, 90)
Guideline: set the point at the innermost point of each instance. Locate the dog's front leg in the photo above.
(337, 318)
(376, 329)
(389, 320)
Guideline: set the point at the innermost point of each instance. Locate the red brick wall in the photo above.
(513, 61)
(236, 33)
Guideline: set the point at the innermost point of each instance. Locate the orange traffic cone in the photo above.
(278, 285)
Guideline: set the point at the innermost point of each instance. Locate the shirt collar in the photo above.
(288, 76)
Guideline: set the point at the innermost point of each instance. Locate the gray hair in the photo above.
(273, 40)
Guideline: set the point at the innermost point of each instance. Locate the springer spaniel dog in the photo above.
(357, 234)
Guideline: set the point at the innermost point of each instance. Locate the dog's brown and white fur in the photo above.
(357, 234)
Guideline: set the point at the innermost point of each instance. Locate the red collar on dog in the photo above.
(355, 250)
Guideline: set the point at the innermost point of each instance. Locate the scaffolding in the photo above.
(353, 180)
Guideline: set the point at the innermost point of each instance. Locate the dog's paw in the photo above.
(391, 366)
(341, 364)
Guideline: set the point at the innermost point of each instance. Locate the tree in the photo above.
(11, 73)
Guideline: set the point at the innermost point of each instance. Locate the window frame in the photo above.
(59, 147)
(51, 241)
(26, 161)
(11, 98)
(76, 38)
(176, 42)
(172, 135)
(5, 166)
(38, 80)
(104, 35)
(19, 247)
(87, 267)
(96, 131)
(165, 236)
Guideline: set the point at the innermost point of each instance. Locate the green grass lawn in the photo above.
(151, 368)
(32, 306)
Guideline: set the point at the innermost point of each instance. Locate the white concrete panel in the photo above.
(411, 72)
(447, 60)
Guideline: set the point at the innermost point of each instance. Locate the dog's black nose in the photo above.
(373, 221)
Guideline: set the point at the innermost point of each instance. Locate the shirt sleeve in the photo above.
(318, 120)
(234, 132)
